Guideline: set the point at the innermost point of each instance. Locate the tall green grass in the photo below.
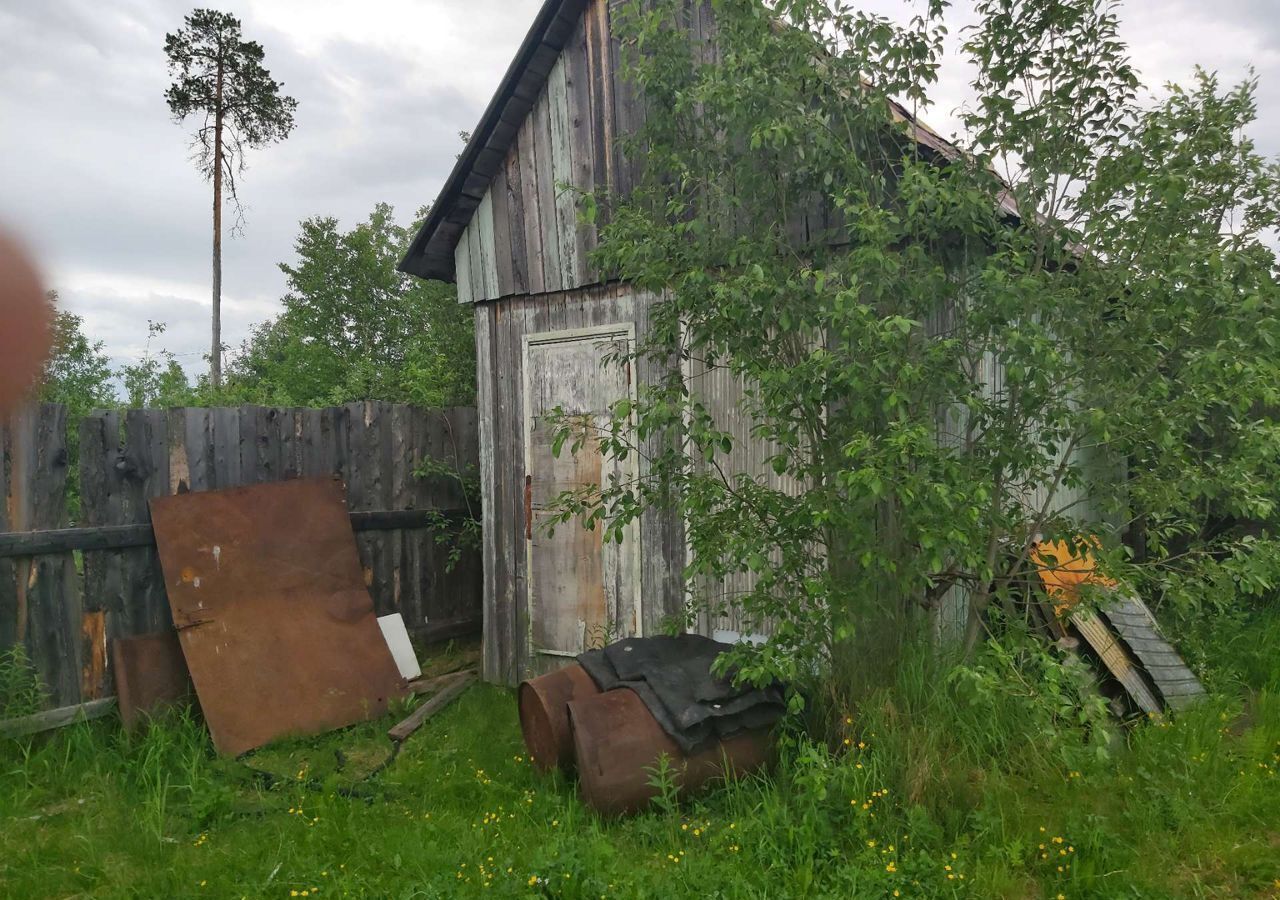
(994, 780)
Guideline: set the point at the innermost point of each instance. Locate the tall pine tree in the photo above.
(219, 78)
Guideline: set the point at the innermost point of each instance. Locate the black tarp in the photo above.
(672, 675)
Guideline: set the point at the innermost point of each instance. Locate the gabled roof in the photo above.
(431, 253)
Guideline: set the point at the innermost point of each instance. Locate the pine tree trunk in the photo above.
(215, 356)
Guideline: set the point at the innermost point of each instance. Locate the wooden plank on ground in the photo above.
(57, 718)
(422, 686)
(429, 708)
(1117, 659)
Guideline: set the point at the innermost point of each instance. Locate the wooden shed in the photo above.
(510, 238)
(511, 241)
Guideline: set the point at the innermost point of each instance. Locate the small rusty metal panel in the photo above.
(151, 676)
(276, 624)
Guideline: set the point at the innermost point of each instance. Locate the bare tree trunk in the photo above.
(215, 356)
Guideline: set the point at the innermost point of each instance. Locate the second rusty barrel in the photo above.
(617, 742)
(544, 715)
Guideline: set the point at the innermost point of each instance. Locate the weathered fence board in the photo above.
(39, 601)
(65, 622)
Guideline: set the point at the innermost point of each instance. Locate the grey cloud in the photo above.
(104, 189)
(97, 175)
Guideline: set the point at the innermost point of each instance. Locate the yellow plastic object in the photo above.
(1063, 570)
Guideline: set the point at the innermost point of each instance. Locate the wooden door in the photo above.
(582, 592)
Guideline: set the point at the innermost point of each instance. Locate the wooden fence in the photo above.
(67, 588)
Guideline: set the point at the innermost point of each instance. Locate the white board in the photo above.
(397, 637)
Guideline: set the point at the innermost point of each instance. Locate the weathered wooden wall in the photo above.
(128, 458)
(500, 332)
(724, 396)
(525, 237)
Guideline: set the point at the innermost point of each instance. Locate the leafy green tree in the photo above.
(78, 373)
(354, 327)
(157, 380)
(947, 364)
(219, 77)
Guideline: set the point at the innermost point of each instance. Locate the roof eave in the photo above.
(428, 257)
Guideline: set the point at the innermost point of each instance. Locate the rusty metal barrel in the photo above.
(617, 742)
(544, 715)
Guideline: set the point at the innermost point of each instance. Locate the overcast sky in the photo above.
(96, 176)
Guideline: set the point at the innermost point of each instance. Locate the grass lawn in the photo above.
(921, 802)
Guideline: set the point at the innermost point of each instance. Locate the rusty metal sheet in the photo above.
(151, 676)
(276, 624)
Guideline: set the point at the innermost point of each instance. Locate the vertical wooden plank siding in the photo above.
(101, 503)
(725, 398)
(600, 79)
(582, 147)
(500, 217)
(485, 235)
(569, 144)
(527, 149)
(562, 172)
(145, 470)
(662, 572)
(626, 114)
(564, 147)
(399, 489)
(545, 188)
(515, 213)
(476, 255)
(498, 637)
(462, 267)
